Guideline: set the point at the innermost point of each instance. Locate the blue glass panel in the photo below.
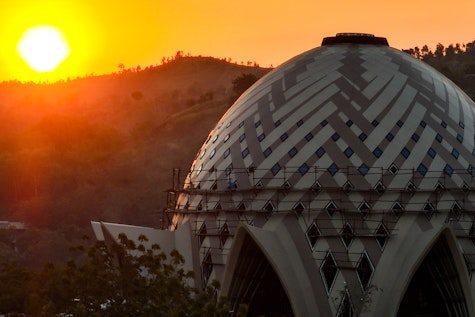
(459, 138)
(377, 152)
(303, 168)
(448, 170)
(324, 123)
(399, 123)
(405, 152)
(438, 137)
(431, 152)
(462, 125)
(443, 124)
(284, 137)
(389, 137)
(320, 152)
(258, 123)
(349, 123)
(226, 153)
(415, 137)
(455, 153)
(333, 169)
(275, 169)
(245, 152)
(299, 123)
(348, 152)
(363, 169)
(241, 124)
(335, 136)
(309, 136)
(292, 152)
(242, 137)
(362, 136)
(423, 124)
(267, 152)
(422, 169)
(375, 123)
(261, 137)
(277, 123)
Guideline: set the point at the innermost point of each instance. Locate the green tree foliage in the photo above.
(121, 279)
(242, 83)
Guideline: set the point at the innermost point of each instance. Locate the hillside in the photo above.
(102, 148)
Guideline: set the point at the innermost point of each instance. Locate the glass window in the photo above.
(229, 169)
(399, 123)
(459, 138)
(422, 169)
(267, 152)
(299, 123)
(405, 152)
(362, 136)
(324, 123)
(348, 152)
(275, 169)
(241, 124)
(284, 136)
(415, 137)
(245, 152)
(227, 152)
(349, 123)
(443, 124)
(320, 152)
(455, 153)
(309, 136)
(438, 137)
(462, 125)
(242, 137)
(431, 152)
(377, 152)
(258, 123)
(363, 169)
(333, 169)
(423, 124)
(375, 123)
(448, 170)
(213, 152)
(389, 137)
(303, 168)
(277, 123)
(335, 136)
(292, 152)
(261, 137)
(226, 138)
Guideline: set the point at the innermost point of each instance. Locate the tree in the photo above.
(126, 279)
(242, 83)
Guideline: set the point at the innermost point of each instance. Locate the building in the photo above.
(340, 184)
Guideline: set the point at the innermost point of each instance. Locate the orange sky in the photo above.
(103, 34)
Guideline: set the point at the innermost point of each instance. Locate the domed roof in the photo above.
(353, 106)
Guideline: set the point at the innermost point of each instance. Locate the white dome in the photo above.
(343, 112)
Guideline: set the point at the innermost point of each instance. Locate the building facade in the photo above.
(340, 184)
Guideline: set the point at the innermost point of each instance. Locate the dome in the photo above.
(344, 113)
(349, 169)
(339, 184)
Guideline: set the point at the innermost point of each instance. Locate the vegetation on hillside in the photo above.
(123, 279)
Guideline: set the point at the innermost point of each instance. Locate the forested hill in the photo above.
(456, 61)
(103, 147)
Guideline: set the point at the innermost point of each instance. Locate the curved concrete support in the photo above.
(399, 263)
(287, 264)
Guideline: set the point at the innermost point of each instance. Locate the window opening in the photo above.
(312, 234)
(347, 235)
(328, 271)
(364, 270)
(224, 234)
(382, 235)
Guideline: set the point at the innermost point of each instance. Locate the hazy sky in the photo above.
(105, 33)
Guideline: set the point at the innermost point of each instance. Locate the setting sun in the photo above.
(43, 47)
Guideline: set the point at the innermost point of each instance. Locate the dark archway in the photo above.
(435, 289)
(256, 284)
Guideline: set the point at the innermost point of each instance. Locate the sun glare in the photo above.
(43, 48)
